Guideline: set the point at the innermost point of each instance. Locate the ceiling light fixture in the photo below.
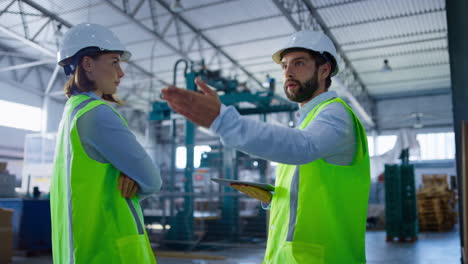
(386, 67)
(176, 6)
(58, 33)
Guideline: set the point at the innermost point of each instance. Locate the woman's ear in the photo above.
(88, 64)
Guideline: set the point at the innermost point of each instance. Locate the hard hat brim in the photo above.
(277, 58)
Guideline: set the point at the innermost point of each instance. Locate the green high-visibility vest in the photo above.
(318, 212)
(91, 221)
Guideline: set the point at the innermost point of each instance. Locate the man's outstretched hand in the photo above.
(201, 107)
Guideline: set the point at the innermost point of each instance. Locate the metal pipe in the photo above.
(27, 65)
(28, 42)
(174, 79)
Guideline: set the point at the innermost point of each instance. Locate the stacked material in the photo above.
(436, 204)
(7, 182)
(6, 235)
(401, 221)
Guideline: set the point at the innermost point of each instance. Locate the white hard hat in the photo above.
(311, 40)
(86, 36)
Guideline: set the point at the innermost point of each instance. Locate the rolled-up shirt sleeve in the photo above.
(107, 139)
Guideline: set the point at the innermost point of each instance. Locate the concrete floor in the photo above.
(430, 248)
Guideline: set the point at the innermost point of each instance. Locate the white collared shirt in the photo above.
(330, 135)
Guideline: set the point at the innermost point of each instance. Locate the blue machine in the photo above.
(234, 93)
(184, 219)
(263, 102)
(31, 223)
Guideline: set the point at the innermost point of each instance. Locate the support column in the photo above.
(457, 23)
(230, 211)
(46, 101)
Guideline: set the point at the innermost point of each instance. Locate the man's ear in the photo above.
(324, 71)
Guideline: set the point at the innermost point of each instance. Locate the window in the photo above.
(370, 145)
(385, 143)
(181, 156)
(434, 146)
(20, 116)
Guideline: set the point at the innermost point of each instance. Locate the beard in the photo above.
(304, 92)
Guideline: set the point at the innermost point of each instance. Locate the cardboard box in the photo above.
(3, 166)
(6, 216)
(6, 235)
(7, 185)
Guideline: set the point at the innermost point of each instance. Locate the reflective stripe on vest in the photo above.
(91, 221)
(70, 224)
(318, 212)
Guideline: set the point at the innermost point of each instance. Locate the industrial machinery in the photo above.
(31, 224)
(231, 93)
(184, 210)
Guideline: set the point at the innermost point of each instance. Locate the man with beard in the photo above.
(318, 210)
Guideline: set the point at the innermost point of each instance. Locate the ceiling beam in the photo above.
(21, 86)
(398, 16)
(328, 32)
(26, 41)
(52, 79)
(7, 7)
(15, 54)
(392, 37)
(357, 106)
(179, 51)
(69, 25)
(313, 11)
(51, 53)
(420, 79)
(287, 14)
(41, 29)
(148, 30)
(403, 53)
(396, 44)
(47, 13)
(414, 94)
(232, 44)
(209, 41)
(27, 65)
(408, 67)
(340, 4)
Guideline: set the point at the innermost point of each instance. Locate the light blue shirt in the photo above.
(106, 139)
(330, 135)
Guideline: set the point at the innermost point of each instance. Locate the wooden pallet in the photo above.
(428, 203)
(436, 192)
(434, 179)
(435, 218)
(436, 204)
(436, 227)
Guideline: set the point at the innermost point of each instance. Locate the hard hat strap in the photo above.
(73, 64)
(69, 69)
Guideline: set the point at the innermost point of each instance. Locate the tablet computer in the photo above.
(226, 182)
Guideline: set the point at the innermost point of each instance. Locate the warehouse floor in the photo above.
(431, 248)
